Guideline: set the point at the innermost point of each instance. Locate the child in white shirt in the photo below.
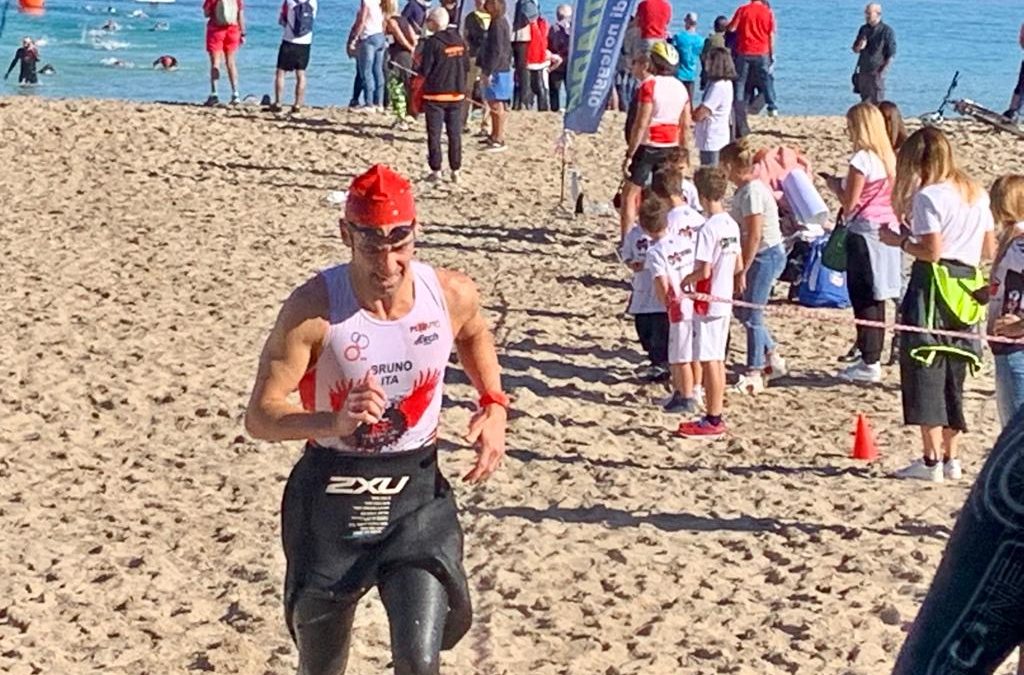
(717, 264)
(667, 261)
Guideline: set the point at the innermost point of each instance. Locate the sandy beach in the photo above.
(146, 249)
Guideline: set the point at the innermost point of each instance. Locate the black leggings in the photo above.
(417, 606)
(971, 618)
(556, 78)
(522, 96)
(860, 282)
(445, 116)
(539, 90)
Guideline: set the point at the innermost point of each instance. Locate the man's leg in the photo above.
(417, 607)
(214, 72)
(520, 91)
(323, 634)
(378, 69)
(767, 80)
(434, 115)
(364, 65)
(739, 106)
(453, 126)
(229, 59)
(278, 86)
(879, 88)
(300, 88)
(555, 80)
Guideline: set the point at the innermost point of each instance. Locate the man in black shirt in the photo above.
(876, 46)
(28, 56)
(444, 66)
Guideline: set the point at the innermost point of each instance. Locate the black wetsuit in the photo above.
(28, 58)
(972, 617)
(350, 523)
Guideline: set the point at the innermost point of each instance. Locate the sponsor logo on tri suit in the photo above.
(423, 326)
(357, 485)
(354, 351)
(387, 373)
(426, 339)
(676, 259)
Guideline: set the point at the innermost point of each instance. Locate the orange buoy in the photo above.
(32, 6)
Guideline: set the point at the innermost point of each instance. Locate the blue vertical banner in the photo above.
(599, 28)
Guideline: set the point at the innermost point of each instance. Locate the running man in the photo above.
(366, 345)
(28, 56)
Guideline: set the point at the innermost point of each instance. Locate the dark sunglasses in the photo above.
(374, 237)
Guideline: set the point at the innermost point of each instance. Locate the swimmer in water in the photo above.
(117, 63)
(160, 25)
(28, 56)
(111, 26)
(47, 70)
(167, 62)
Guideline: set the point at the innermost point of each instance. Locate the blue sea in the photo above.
(935, 38)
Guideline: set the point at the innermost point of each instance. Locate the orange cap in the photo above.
(380, 198)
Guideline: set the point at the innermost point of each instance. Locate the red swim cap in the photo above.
(380, 198)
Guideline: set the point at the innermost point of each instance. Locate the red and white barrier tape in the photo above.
(804, 312)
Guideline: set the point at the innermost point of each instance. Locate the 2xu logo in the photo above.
(357, 485)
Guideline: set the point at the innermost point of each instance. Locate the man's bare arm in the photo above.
(293, 345)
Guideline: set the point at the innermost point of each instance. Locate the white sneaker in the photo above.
(434, 177)
(776, 367)
(862, 372)
(773, 113)
(751, 383)
(455, 176)
(698, 395)
(952, 470)
(921, 471)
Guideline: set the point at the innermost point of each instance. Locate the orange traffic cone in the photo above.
(864, 441)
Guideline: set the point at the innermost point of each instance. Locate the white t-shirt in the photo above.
(643, 299)
(683, 220)
(288, 14)
(869, 164)
(691, 196)
(1007, 284)
(672, 257)
(718, 243)
(712, 133)
(940, 208)
(756, 198)
(374, 21)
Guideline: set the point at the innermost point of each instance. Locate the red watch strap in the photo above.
(494, 398)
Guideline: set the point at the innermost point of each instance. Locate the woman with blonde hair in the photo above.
(1006, 289)
(763, 258)
(951, 230)
(872, 268)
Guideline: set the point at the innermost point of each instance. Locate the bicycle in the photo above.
(969, 108)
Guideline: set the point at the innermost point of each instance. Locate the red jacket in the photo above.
(537, 49)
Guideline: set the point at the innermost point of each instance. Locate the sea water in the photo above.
(814, 62)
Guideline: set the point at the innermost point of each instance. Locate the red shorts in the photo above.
(223, 38)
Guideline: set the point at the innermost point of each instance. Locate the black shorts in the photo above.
(933, 396)
(292, 57)
(1020, 81)
(645, 162)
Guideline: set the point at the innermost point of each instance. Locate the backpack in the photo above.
(304, 15)
(821, 286)
(225, 12)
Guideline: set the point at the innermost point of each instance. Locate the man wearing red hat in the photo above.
(366, 344)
